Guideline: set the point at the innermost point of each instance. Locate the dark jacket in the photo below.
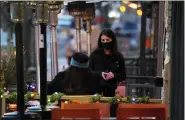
(115, 63)
(56, 85)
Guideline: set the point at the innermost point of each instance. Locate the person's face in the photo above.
(106, 42)
(105, 39)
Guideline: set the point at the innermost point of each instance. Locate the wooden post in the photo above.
(177, 62)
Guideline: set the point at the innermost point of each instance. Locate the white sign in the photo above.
(41, 45)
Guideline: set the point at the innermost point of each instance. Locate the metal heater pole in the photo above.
(88, 24)
(42, 17)
(37, 52)
(87, 17)
(89, 43)
(78, 35)
(32, 5)
(53, 51)
(43, 66)
(17, 9)
(77, 9)
(54, 8)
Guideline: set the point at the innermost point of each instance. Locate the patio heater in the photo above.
(77, 9)
(17, 9)
(37, 38)
(87, 17)
(54, 8)
(42, 18)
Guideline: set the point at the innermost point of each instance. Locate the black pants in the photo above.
(107, 91)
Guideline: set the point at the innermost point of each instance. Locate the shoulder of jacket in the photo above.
(62, 73)
(97, 51)
(119, 55)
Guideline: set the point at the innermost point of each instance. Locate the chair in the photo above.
(142, 111)
(80, 114)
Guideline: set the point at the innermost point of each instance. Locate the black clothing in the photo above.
(56, 85)
(100, 62)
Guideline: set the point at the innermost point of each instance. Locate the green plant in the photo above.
(95, 98)
(144, 99)
(128, 100)
(55, 96)
(29, 96)
(1, 92)
(116, 100)
(8, 64)
(12, 97)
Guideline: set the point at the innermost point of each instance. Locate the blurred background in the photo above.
(123, 18)
(149, 33)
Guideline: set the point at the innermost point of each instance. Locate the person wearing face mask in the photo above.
(107, 64)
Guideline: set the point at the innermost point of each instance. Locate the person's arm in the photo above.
(91, 66)
(121, 76)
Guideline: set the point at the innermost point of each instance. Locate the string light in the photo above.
(126, 2)
(133, 99)
(133, 5)
(32, 94)
(139, 12)
(122, 8)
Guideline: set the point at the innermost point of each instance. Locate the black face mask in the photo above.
(107, 45)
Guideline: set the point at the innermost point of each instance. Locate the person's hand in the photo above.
(104, 75)
(109, 76)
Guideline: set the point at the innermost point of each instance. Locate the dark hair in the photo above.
(75, 77)
(109, 33)
(69, 60)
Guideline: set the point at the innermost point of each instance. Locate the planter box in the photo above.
(159, 111)
(103, 107)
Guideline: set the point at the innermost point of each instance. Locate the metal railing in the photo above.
(133, 66)
(143, 86)
(140, 85)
